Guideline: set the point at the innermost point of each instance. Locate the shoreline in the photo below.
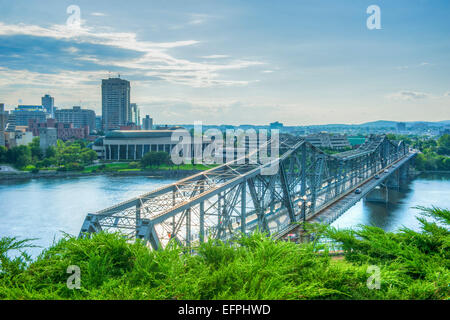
(175, 173)
(10, 176)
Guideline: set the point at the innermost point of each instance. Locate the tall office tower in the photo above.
(135, 114)
(147, 123)
(3, 120)
(115, 103)
(48, 102)
(3, 117)
(98, 123)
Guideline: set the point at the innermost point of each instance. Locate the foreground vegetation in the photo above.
(414, 265)
(65, 156)
(435, 154)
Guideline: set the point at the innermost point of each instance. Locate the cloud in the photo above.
(98, 14)
(422, 64)
(267, 71)
(149, 60)
(408, 95)
(215, 56)
(70, 50)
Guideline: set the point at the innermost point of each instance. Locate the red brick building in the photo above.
(65, 131)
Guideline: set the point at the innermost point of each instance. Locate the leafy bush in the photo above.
(413, 266)
(133, 165)
(74, 166)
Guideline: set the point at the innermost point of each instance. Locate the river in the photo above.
(44, 208)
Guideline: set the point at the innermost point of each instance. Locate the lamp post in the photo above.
(304, 204)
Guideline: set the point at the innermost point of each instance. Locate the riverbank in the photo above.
(163, 174)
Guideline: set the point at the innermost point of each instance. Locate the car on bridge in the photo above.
(386, 171)
(358, 191)
(377, 176)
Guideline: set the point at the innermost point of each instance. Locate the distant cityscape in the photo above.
(120, 132)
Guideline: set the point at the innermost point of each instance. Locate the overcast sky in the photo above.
(233, 62)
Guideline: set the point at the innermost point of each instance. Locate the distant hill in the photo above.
(386, 123)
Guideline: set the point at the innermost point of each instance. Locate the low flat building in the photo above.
(18, 138)
(327, 140)
(133, 144)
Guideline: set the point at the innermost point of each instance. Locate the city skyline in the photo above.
(299, 63)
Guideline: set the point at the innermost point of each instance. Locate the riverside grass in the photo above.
(414, 265)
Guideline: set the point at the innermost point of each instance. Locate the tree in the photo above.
(36, 151)
(19, 156)
(50, 152)
(88, 156)
(155, 159)
(3, 151)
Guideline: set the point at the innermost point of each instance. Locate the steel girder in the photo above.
(239, 198)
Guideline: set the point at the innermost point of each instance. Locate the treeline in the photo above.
(435, 154)
(71, 155)
(411, 265)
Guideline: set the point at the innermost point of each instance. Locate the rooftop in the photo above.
(128, 134)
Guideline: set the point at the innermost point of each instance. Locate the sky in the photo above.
(300, 62)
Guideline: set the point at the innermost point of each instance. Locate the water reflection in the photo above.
(423, 190)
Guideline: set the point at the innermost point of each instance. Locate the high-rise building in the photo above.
(98, 123)
(24, 113)
(135, 114)
(77, 116)
(3, 117)
(147, 123)
(115, 103)
(48, 102)
(3, 120)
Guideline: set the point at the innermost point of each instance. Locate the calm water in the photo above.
(45, 207)
(425, 190)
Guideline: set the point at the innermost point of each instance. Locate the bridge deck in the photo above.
(350, 198)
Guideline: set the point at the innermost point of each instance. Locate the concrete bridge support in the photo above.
(404, 171)
(378, 194)
(393, 182)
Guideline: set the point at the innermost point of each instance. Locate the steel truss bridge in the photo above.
(235, 198)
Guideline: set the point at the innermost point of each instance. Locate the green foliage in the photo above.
(413, 266)
(3, 151)
(435, 154)
(151, 159)
(19, 156)
(134, 165)
(64, 154)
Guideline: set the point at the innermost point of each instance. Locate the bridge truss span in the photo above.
(240, 196)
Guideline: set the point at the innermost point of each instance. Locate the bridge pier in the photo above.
(378, 194)
(393, 181)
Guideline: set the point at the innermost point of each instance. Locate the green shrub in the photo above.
(133, 165)
(413, 265)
